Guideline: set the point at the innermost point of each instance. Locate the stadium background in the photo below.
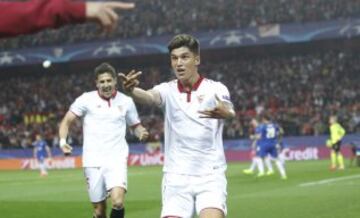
(297, 59)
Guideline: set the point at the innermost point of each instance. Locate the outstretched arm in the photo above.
(31, 16)
(130, 83)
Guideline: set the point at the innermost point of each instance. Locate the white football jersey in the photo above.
(193, 145)
(104, 126)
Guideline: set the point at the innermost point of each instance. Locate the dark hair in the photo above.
(265, 116)
(184, 40)
(105, 68)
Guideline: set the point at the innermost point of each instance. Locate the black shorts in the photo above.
(336, 147)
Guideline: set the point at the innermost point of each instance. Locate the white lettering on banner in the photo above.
(134, 159)
(310, 153)
(146, 159)
(62, 163)
(25, 164)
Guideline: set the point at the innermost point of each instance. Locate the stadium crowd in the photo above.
(157, 17)
(300, 91)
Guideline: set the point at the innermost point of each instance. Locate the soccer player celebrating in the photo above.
(41, 151)
(337, 132)
(267, 138)
(105, 114)
(194, 109)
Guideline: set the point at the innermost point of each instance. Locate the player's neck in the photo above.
(189, 84)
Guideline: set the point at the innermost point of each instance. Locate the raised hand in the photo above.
(130, 81)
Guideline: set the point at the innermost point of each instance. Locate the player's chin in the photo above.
(182, 78)
(106, 94)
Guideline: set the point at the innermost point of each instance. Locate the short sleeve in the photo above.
(78, 107)
(163, 89)
(223, 92)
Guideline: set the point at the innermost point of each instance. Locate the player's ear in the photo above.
(197, 59)
(96, 84)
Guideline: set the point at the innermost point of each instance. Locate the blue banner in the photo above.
(262, 35)
(229, 145)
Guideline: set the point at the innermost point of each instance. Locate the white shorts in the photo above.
(100, 180)
(183, 194)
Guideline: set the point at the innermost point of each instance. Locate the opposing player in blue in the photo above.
(267, 138)
(41, 152)
(255, 158)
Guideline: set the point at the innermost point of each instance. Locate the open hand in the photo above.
(144, 135)
(221, 111)
(130, 81)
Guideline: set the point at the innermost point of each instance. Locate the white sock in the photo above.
(260, 165)
(282, 158)
(42, 167)
(268, 164)
(253, 164)
(281, 168)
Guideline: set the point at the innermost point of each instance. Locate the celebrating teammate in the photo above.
(194, 108)
(105, 114)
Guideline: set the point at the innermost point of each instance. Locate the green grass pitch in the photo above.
(311, 191)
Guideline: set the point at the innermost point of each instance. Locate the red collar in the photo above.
(193, 88)
(112, 95)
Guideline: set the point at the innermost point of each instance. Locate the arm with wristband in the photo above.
(65, 124)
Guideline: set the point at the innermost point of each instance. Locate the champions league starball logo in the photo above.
(114, 48)
(352, 29)
(8, 58)
(233, 38)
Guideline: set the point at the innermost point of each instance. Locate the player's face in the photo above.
(38, 137)
(331, 120)
(253, 123)
(184, 63)
(106, 85)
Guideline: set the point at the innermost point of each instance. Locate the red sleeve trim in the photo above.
(75, 114)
